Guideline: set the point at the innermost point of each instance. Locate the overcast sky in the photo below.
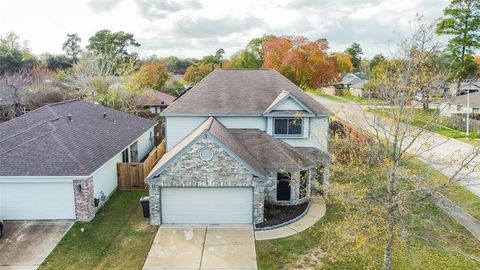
(193, 28)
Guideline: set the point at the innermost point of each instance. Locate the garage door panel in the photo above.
(36, 201)
(206, 205)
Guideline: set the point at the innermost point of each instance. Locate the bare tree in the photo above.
(399, 134)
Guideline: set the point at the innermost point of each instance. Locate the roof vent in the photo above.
(70, 117)
(104, 114)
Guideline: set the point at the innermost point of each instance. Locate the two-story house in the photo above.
(238, 139)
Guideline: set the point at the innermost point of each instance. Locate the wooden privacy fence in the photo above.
(132, 176)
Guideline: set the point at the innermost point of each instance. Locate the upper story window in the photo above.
(288, 126)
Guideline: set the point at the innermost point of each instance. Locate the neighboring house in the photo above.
(458, 104)
(60, 161)
(238, 139)
(155, 101)
(355, 82)
(465, 87)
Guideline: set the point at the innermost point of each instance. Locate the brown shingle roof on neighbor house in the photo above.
(45, 142)
(239, 92)
(155, 98)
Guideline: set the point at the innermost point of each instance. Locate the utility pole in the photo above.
(468, 112)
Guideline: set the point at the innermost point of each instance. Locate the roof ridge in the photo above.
(236, 141)
(23, 131)
(62, 102)
(69, 153)
(25, 142)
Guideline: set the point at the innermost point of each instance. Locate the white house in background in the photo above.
(236, 140)
(458, 105)
(355, 82)
(60, 161)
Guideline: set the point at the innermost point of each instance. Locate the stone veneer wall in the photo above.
(271, 189)
(190, 170)
(83, 196)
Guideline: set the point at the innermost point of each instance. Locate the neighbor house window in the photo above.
(288, 126)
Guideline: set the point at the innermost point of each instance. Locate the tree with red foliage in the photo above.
(304, 62)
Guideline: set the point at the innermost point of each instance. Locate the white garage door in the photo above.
(207, 205)
(36, 201)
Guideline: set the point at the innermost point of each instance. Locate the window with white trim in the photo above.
(288, 126)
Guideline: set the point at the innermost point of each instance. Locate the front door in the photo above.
(283, 186)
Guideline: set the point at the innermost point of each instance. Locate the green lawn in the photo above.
(428, 119)
(365, 101)
(322, 94)
(434, 241)
(117, 238)
(456, 193)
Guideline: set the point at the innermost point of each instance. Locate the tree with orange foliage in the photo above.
(153, 74)
(477, 61)
(304, 62)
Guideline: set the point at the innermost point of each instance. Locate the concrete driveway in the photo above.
(203, 247)
(25, 244)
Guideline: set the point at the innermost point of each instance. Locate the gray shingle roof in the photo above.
(462, 100)
(239, 91)
(45, 142)
(274, 154)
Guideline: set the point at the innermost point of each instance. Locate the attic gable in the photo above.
(285, 101)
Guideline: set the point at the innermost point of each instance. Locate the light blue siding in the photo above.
(243, 122)
(315, 129)
(105, 178)
(288, 105)
(178, 127)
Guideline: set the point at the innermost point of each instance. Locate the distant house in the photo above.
(355, 82)
(458, 104)
(465, 87)
(155, 101)
(60, 160)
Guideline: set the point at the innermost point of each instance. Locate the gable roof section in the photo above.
(220, 135)
(259, 151)
(282, 97)
(45, 142)
(239, 92)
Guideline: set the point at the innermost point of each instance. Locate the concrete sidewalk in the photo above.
(202, 247)
(314, 214)
(459, 214)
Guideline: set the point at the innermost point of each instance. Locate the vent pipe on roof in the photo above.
(70, 117)
(104, 114)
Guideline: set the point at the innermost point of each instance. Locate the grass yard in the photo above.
(117, 238)
(423, 118)
(433, 241)
(365, 101)
(456, 193)
(322, 94)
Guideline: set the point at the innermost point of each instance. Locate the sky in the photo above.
(194, 28)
